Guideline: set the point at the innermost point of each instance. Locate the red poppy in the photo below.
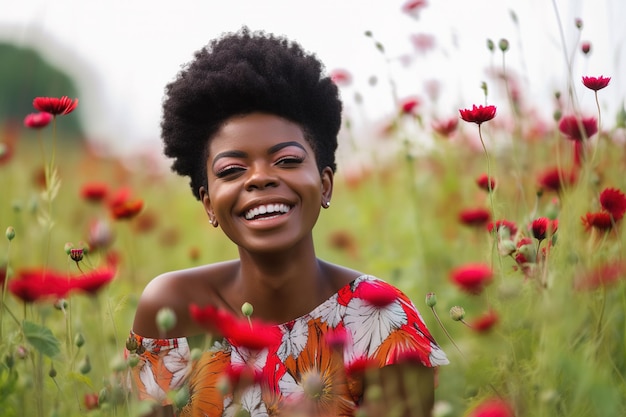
(601, 221)
(596, 83)
(499, 225)
(485, 182)
(472, 278)
(603, 275)
(475, 217)
(543, 227)
(613, 201)
(492, 407)
(92, 282)
(485, 322)
(37, 120)
(478, 114)
(54, 105)
(554, 179)
(578, 128)
(211, 318)
(341, 77)
(31, 285)
(445, 127)
(414, 7)
(377, 294)
(254, 335)
(123, 206)
(94, 191)
(409, 105)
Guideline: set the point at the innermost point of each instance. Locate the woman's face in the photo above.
(264, 187)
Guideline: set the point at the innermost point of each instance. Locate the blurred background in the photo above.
(116, 56)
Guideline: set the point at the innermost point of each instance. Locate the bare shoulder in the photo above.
(177, 290)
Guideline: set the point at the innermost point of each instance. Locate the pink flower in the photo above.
(54, 105)
(478, 114)
(576, 128)
(472, 278)
(603, 275)
(341, 77)
(613, 201)
(37, 120)
(445, 127)
(596, 83)
(409, 105)
(414, 7)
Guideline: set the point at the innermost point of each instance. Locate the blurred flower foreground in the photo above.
(503, 222)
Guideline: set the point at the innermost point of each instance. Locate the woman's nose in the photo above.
(260, 176)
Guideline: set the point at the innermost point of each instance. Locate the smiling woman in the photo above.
(253, 122)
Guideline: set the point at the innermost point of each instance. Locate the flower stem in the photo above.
(446, 332)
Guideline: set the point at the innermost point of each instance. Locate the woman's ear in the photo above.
(208, 208)
(327, 186)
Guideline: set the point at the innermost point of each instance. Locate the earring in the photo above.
(326, 204)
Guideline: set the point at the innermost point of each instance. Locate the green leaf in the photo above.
(41, 338)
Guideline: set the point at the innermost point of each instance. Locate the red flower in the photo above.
(475, 217)
(472, 278)
(613, 201)
(502, 224)
(576, 128)
(336, 338)
(445, 127)
(33, 285)
(360, 366)
(478, 114)
(543, 227)
(601, 221)
(55, 106)
(555, 179)
(485, 322)
(91, 401)
(484, 182)
(604, 275)
(493, 407)
(377, 294)
(37, 120)
(122, 206)
(596, 83)
(211, 318)
(92, 282)
(94, 191)
(585, 47)
(413, 7)
(341, 77)
(409, 105)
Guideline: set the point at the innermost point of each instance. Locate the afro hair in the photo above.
(240, 73)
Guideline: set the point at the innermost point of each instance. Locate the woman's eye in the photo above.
(228, 171)
(290, 160)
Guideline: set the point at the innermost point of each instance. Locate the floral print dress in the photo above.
(379, 324)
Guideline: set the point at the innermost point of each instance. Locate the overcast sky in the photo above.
(135, 47)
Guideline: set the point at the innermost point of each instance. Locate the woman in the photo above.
(253, 122)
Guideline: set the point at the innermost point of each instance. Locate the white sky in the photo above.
(137, 46)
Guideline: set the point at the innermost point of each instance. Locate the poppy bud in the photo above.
(247, 309)
(166, 319)
(457, 313)
(431, 299)
(85, 366)
(79, 340)
(503, 45)
(10, 233)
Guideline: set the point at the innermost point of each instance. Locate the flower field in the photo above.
(506, 233)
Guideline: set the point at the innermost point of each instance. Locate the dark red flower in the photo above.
(478, 114)
(613, 201)
(409, 105)
(122, 205)
(37, 120)
(603, 275)
(92, 282)
(578, 128)
(472, 278)
(554, 179)
(414, 7)
(242, 375)
(94, 191)
(341, 77)
(485, 322)
(359, 366)
(484, 182)
(493, 407)
(31, 285)
(585, 47)
(475, 217)
(54, 105)
(502, 224)
(596, 83)
(377, 294)
(445, 127)
(601, 221)
(543, 227)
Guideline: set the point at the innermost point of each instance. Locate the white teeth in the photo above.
(265, 209)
